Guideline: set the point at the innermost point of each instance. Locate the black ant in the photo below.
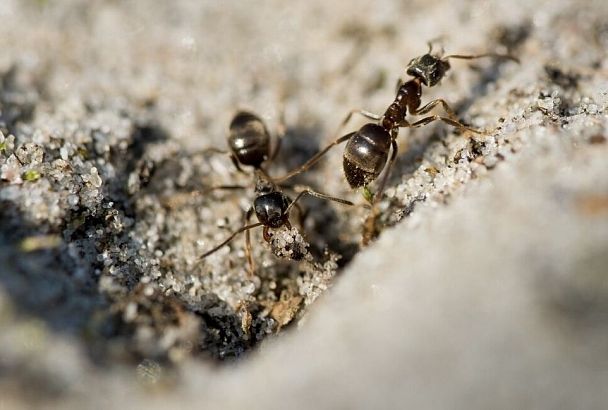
(367, 151)
(249, 143)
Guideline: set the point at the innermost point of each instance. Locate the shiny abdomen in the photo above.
(366, 154)
(249, 139)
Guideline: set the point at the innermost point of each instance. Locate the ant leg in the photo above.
(223, 152)
(280, 133)
(301, 215)
(266, 233)
(224, 187)
(231, 237)
(180, 198)
(212, 150)
(428, 107)
(248, 248)
(369, 227)
(432, 118)
(366, 114)
(317, 156)
(314, 159)
(391, 161)
(236, 164)
(398, 85)
(308, 191)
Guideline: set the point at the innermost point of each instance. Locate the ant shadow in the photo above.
(297, 145)
(488, 76)
(44, 283)
(512, 38)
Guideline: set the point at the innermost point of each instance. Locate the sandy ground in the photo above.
(487, 286)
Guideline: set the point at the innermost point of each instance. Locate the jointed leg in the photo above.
(428, 107)
(231, 237)
(451, 114)
(382, 184)
(338, 141)
(222, 187)
(180, 198)
(266, 234)
(236, 164)
(279, 133)
(432, 118)
(366, 114)
(248, 253)
(398, 85)
(308, 191)
(314, 159)
(301, 215)
(369, 229)
(213, 150)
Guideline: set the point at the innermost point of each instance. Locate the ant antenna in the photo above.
(308, 191)
(438, 39)
(472, 57)
(231, 237)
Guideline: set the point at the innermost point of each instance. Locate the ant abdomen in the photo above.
(249, 139)
(366, 154)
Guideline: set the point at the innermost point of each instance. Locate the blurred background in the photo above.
(487, 287)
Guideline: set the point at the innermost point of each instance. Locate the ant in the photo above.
(249, 143)
(367, 150)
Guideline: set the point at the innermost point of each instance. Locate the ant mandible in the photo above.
(367, 151)
(249, 143)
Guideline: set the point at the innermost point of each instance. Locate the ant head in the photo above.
(428, 68)
(270, 209)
